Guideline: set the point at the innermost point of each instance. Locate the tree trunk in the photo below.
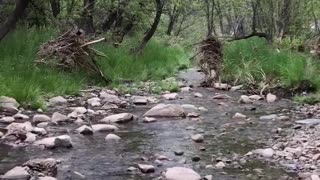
(21, 6)
(55, 7)
(86, 21)
(219, 12)
(150, 33)
(172, 20)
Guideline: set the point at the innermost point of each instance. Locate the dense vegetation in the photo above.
(152, 40)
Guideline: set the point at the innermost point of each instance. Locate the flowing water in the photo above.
(97, 159)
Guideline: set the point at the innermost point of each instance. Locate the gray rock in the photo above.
(139, 100)
(170, 96)
(94, 102)
(208, 177)
(59, 100)
(17, 173)
(7, 120)
(26, 126)
(220, 165)
(245, 99)
(110, 98)
(59, 118)
(149, 119)
(266, 153)
(104, 128)
(112, 137)
(21, 116)
(146, 168)
(40, 131)
(85, 130)
(268, 117)
(189, 108)
(236, 88)
(118, 118)
(178, 153)
(8, 105)
(239, 116)
(47, 166)
(39, 118)
(47, 178)
(198, 95)
(181, 173)
(255, 97)
(30, 138)
(309, 121)
(221, 96)
(185, 89)
(43, 124)
(166, 110)
(63, 141)
(198, 138)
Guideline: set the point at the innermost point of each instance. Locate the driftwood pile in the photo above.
(210, 59)
(71, 51)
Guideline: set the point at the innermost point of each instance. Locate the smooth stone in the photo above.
(139, 100)
(21, 116)
(193, 115)
(47, 178)
(43, 124)
(315, 177)
(239, 116)
(85, 130)
(104, 128)
(178, 153)
(271, 98)
(31, 138)
(112, 137)
(181, 173)
(14, 127)
(59, 118)
(40, 131)
(118, 118)
(209, 166)
(268, 117)
(255, 97)
(185, 89)
(166, 110)
(149, 119)
(59, 100)
(8, 105)
(198, 138)
(236, 88)
(220, 165)
(146, 168)
(196, 158)
(17, 173)
(189, 108)
(7, 120)
(221, 96)
(131, 169)
(266, 153)
(309, 121)
(110, 98)
(39, 118)
(245, 99)
(170, 96)
(208, 177)
(198, 95)
(55, 142)
(94, 102)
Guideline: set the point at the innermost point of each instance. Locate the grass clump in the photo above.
(30, 85)
(254, 62)
(308, 99)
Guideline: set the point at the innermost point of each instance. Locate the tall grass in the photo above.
(254, 61)
(20, 79)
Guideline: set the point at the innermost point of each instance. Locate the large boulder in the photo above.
(8, 105)
(26, 126)
(45, 166)
(118, 118)
(63, 141)
(85, 130)
(181, 173)
(17, 173)
(7, 120)
(166, 110)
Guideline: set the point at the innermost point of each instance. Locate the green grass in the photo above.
(30, 85)
(253, 61)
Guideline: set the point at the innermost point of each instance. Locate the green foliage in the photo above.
(252, 61)
(308, 99)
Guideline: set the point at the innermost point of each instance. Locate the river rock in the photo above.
(59, 118)
(40, 131)
(208, 177)
(239, 116)
(220, 165)
(7, 120)
(221, 86)
(17, 173)
(21, 116)
(1, 134)
(118, 118)
(85, 130)
(221, 96)
(39, 118)
(245, 99)
(63, 141)
(189, 108)
(266, 153)
(59, 100)
(146, 168)
(139, 100)
(283, 118)
(94, 102)
(77, 112)
(31, 138)
(315, 177)
(198, 95)
(255, 97)
(47, 166)
(178, 152)
(110, 98)
(309, 121)
(8, 105)
(170, 96)
(43, 124)
(198, 138)
(185, 89)
(271, 98)
(236, 88)
(112, 137)
(47, 178)
(26, 126)
(149, 119)
(181, 173)
(166, 110)
(268, 117)
(104, 128)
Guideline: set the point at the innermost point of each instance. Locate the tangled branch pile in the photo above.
(70, 52)
(210, 59)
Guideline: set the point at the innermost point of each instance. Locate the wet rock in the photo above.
(178, 153)
(43, 124)
(196, 158)
(220, 165)
(85, 130)
(171, 96)
(1, 134)
(309, 121)
(21, 116)
(315, 177)
(190, 128)
(110, 98)
(47, 166)
(221, 96)
(208, 177)
(47, 178)
(7, 120)
(271, 98)
(80, 121)
(239, 116)
(132, 169)
(112, 137)
(104, 128)
(163, 158)
(59, 118)
(17, 173)
(202, 109)
(255, 97)
(149, 119)
(266, 153)
(8, 105)
(118, 118)
(63, 141)
(198, 95)
(189, 108)
(181, 173)
(185, 89)
(39, 131)
(39, 118)
(283, 118)
(236, 88)
(139, 100)
(30, 138)
(193, 115)
(26, 126)
(221, 86)
(245, 99)
(146, 168)
(268, 117)
(209, 166)
(166, 110)
(59, 100)
(94, 102)
(198, 138)
(77, 112)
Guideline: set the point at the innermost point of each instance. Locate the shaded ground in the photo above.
(96, 159)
